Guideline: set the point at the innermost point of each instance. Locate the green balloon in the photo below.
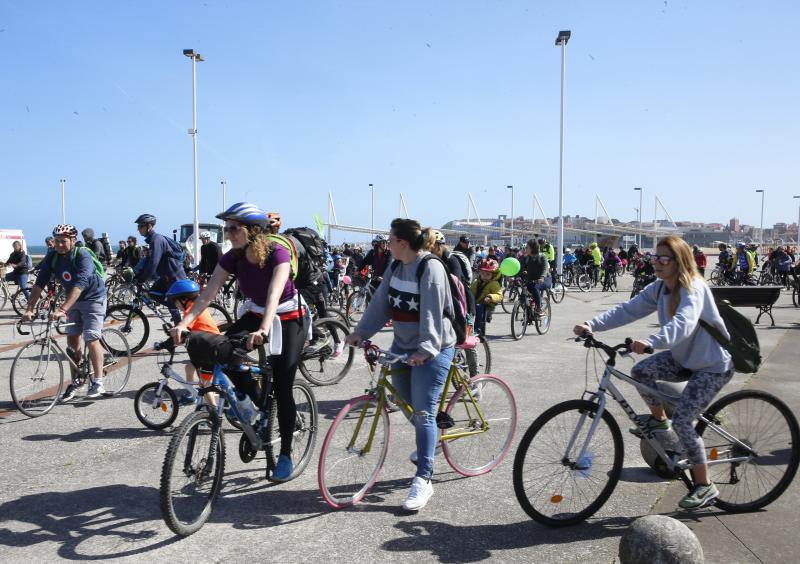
(509, 267)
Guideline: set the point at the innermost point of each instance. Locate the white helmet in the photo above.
(205, 235)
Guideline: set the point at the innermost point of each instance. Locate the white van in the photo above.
(7, 238)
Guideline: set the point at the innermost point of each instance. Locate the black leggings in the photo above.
(284, 368)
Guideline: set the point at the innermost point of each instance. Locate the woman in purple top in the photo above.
(263, 269)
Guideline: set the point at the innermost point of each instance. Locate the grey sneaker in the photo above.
(700, 496)
(96, 390)
(652, 424)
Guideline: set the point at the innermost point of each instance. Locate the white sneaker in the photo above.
(413, 456)
(96, 390)
(419, 494)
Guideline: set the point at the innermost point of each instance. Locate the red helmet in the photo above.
(488, 265)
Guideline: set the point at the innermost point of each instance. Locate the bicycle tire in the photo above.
(116, 360)
(584, 282)
(519, 320)
(340, 482)
(304, 434)
(321, 367)
(132, 323)
(356, 305)
(560, 471)
(220, 316)
(510, 296)
(43, 394)
(542, 321)
(471, 455)
(19, 302)
(144, 405)
(482, 349)
(182, 466)
(796, 295)
(766, 441)
(338, 315)
(3, 296)
(558, 292)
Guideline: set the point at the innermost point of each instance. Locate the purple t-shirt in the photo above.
(254, 281)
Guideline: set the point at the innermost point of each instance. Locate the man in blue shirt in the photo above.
(85, 305)
(160, 264)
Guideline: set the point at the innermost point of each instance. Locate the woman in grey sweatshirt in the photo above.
(415, 294)
(681, 299)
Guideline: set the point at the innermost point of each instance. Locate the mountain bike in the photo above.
(525, 313)
(609, 280)
(511, 293)
(640, 282)
(194, 465)
(37, 373)
(477, 423)
(358, 301)
(570, 459)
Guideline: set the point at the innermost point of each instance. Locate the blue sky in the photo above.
(694, 101)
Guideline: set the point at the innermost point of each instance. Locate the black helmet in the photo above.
(145, 218)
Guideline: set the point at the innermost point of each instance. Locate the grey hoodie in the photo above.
(416, 309)
(692, 346)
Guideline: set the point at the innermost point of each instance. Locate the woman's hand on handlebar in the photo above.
(256, 339)
(641, 347)
(581, 329)
(353, 340)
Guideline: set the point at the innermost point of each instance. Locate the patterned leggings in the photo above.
(696, 396)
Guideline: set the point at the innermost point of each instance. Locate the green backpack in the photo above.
(743, 345)
(98, 266)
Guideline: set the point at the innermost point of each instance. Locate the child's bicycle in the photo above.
(191, 478)
(570, 458)
(478, 424)
(37, 374)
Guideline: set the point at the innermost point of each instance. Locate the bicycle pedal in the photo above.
(444, 421)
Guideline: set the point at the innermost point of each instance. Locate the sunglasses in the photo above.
(231, 229)
(663, 259)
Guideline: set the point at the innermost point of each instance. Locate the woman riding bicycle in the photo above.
(274, 309)
(422, 330)
(681, 299)
(537, 272)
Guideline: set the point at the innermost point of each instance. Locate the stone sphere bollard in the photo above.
(658, 539)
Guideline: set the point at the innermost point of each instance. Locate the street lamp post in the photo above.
(511, 238)
(561, 40)
(224, 193)
(798, 222)
(372, 211)
(761, 228)
(195, 58)
(640, 216)
(63, 208)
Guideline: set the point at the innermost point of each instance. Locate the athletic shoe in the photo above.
(69, 394)
(283, 469)
(337, 351)
(96, 390)
(413, 456)
(652, 424)
(419, 494)
(315, 345)
(186, 398)
(700, 496)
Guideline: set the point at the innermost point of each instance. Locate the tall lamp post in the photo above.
(798, 221)
(761, 228)
(195, 58)
(372, 211)
(224, 193)
(63, 208)
(561, 40)
(640, 217)
(511, 239)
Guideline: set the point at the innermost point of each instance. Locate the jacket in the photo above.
(492, 288)
(159, 263)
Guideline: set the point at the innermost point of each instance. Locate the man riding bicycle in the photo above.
(85, 305)
(379, 258)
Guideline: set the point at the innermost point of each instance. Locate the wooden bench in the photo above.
(761, 297)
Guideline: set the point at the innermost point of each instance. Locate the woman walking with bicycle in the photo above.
(682, 299)
(274, 313)
(415, 294)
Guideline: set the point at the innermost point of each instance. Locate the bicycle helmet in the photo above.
(65, 230)
(488, 265)
(438, 237)
(740, 245)
(248, 214)
(127, 274)
(183, 289)
(145, 219)
(88, 233)
(205, 235)
(276, 219)
(378, 239)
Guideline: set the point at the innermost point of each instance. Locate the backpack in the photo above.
(176, 250)
(28, 262)
(98, 266)
(309, 255)
(458, 306)
(465, 263)
(743, 345)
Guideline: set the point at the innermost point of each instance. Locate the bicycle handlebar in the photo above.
(589, 341)
(373, 353)
(42, 318)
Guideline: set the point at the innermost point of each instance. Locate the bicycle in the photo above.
(359, 299)
(609, 280)
(194, 464)
(640, 282)
(511, 293)
(570, 459)
(525, 313)
(35, 388)
(134, 322)
(558, 290)
(326, 360)
(481, 412)
(19, 302)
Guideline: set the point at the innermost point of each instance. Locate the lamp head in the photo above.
(563, 37)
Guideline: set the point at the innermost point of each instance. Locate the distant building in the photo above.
(734, 225)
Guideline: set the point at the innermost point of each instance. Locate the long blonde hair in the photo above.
(257, 240)
(687, 268)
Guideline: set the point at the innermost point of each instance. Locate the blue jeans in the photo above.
(22, 280)
(421, 388)
(536, 288)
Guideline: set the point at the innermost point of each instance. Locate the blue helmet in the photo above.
(183, 289)
(740, 245)
(248, 214)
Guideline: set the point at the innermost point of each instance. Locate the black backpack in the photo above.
(310, 250)
(743, 345)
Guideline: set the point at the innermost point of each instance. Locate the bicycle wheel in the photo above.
(552, 486)
(356, 305)
(328, 359)
(220, 316)
(116, 361)
(3, 296)
(558, 291)
(542, 321)
(338, 315)
(484, 356)
(519, 320)
(768, 426)
(122, 294)
(19, 302)
(351, 457)
(304, 436)
(479, 453)
(191, 477)
(510, 296)
(584, 282)
(36, 378)
(131, 322)
(155, 409)
(796, 295)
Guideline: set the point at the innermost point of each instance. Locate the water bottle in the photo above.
(246, 408)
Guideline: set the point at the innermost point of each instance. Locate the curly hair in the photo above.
(258, 240)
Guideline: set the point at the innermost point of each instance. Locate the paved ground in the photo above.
(82, 482)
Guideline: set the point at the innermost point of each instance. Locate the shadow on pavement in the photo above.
(95, 433)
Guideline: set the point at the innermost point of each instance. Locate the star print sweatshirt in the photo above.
(415, 308)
